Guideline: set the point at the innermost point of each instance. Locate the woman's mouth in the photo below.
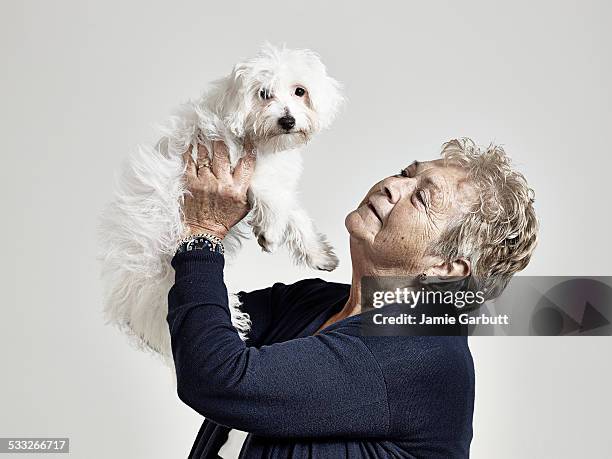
(373, 209)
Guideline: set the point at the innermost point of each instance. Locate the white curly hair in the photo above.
(499, 234)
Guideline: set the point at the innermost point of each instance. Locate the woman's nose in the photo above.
(391, 189)
(395, 187)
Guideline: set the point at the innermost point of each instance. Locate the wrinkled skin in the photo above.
(217, 197)
(400, 217)
(394, 226)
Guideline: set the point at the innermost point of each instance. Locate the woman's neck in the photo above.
(352, 306)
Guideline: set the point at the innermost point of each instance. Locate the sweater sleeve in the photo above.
(326, 385)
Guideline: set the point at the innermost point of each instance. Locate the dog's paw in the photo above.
(265, 244)
(323, 257)
(266, 240)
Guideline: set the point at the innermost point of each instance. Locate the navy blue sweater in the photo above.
(334, 394)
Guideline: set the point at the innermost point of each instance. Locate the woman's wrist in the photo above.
(214, 229)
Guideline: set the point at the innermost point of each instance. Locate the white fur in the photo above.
(140, 229)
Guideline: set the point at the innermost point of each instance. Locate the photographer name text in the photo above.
(446, 319)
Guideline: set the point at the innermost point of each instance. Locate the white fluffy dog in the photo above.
(280, 99)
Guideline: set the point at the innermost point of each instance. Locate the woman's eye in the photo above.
(422, 197)
(300, 91)
(265, 94)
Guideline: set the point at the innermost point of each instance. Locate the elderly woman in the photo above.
(307, 383)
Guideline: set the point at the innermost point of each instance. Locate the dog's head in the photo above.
(281, 97)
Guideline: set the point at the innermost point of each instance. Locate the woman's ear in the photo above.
(461, 267)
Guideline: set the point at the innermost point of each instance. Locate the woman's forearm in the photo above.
(298, 388)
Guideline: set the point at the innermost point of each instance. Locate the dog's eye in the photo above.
(265, 94)
(300, 91)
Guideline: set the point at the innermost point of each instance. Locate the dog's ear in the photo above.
(326, 96)
(233, 100)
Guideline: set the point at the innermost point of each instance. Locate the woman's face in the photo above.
(400, 217)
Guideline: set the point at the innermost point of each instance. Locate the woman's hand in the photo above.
(217, 198)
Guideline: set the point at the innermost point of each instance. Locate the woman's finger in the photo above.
(203, 156)
(189, 163)
(221, 161)
(245, 166)
(203, 166)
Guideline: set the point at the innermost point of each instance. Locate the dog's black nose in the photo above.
(287, 122)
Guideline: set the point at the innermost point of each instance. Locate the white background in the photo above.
(84, 82)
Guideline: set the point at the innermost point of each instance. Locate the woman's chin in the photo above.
(357, 226)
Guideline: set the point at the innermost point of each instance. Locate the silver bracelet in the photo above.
(201, 241)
